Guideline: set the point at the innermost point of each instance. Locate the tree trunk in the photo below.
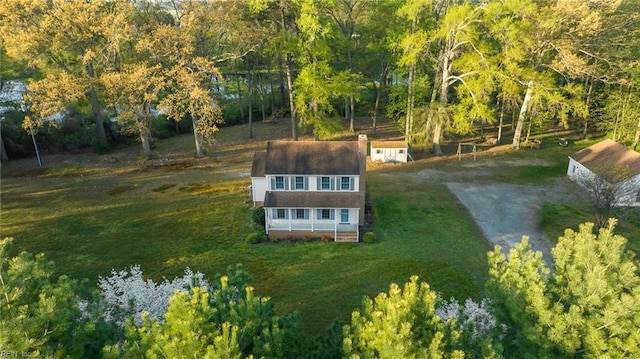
(95, 107)
(379, 91)
(3, 151)
(434, 97)
(250, 103)
(145, 139)
(346, 108)
(410, 98)
(444, 101)
(272, 100)
(637, 137)
(240, 97)
(292, 105)
(586, 119)
(281, 75)
(501, 120)
(376, 106)
(352, 125)
(262, 97)
(523, 112)
(197, 137)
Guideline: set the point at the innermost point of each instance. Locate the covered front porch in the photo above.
(341, 224)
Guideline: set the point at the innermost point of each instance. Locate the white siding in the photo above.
(389, 154)
(632, 187)
(577, 172)
(258, 189)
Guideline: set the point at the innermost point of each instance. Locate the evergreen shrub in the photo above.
(369, 237)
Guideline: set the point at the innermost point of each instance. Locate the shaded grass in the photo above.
(558, 217)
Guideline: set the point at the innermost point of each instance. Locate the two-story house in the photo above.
(311, 188)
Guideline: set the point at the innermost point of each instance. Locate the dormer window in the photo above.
(345, 183)
(325, 183)
(279, 182)
(300, 183)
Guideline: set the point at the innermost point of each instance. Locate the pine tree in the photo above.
(588, 305)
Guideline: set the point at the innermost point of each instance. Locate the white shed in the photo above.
(390, 151)
(599, 159)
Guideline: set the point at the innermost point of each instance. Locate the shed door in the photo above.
(389, 154)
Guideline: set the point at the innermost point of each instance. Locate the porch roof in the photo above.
(300, 199)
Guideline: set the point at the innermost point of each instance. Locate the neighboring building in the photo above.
(605, 160)
(389, 151)
(311, 188)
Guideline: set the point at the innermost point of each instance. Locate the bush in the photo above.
(255, 237)
(369, 237)
(258, 216)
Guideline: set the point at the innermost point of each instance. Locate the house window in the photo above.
(573, 169)
(325, 183)
(401, 151)
(344, 215)
(280, 213)
(302, 213)
(378, 151)
(299, 183)
(325, 213)
(279, 182)
(345, 183)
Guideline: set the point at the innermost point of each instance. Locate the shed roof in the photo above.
(303, 199)
(312, 158)
(389, 144)
(257, 167)
(607, 154)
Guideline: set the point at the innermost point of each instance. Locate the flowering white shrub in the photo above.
(474, 316)
(126, 293)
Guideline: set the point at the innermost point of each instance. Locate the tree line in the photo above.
(437, 68)
(586, 305)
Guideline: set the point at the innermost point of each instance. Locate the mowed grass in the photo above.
(197, 213)
(177, 212)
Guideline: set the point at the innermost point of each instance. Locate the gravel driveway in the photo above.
(504, 212)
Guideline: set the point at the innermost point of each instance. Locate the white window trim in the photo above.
(275, 182)
(342, 213)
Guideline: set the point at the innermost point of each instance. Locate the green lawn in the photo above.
(197, 214)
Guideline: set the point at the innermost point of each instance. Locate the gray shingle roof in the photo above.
(257, 168)
(312, 158)
(389, 144)
(300, 199)
(603, 155)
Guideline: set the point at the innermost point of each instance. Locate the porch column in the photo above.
(290, 215)
(335, 223)
(357, 226)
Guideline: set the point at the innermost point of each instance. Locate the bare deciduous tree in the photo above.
(607, 187)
